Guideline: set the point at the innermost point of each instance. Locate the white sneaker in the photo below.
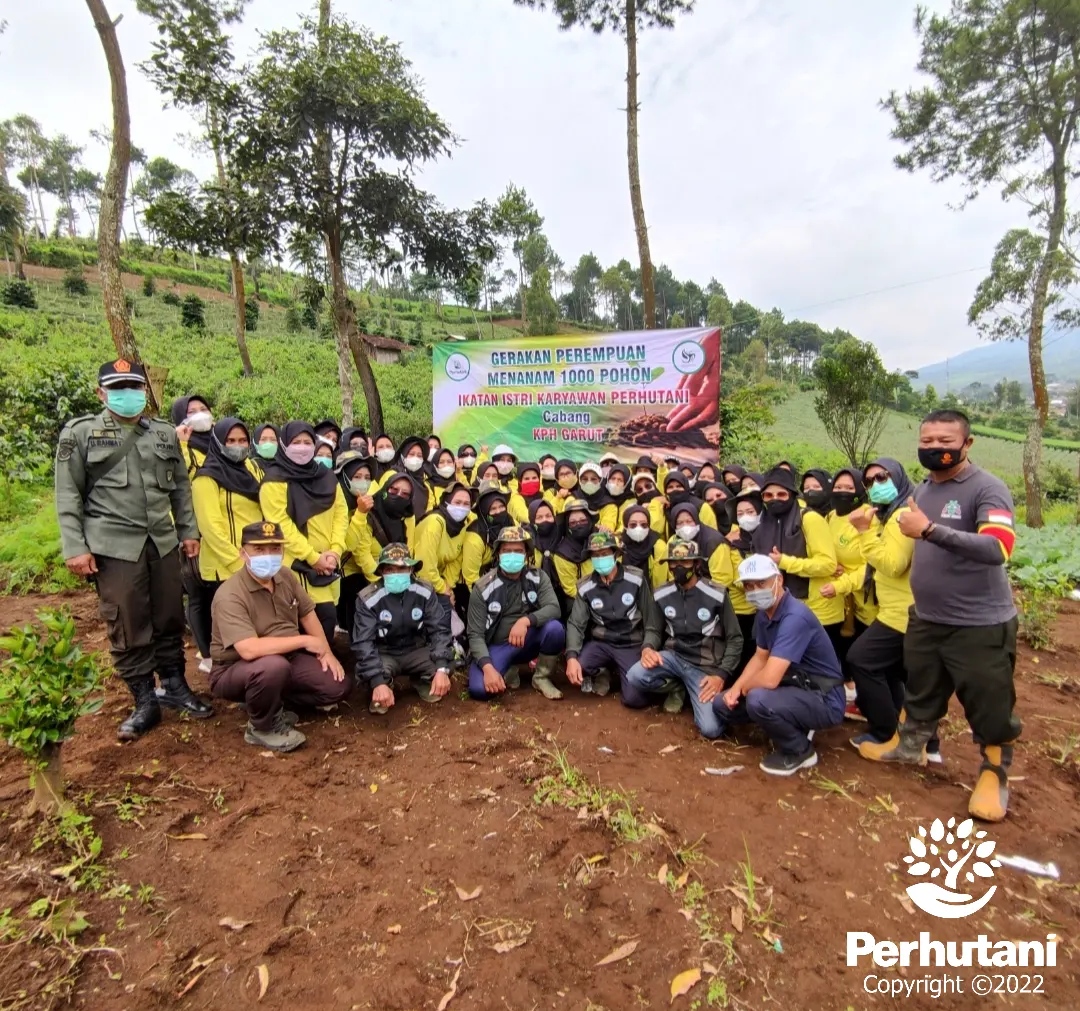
(205, 665)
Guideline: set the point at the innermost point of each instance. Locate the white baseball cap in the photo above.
(503, 450)
(590, 467)
(757, 567)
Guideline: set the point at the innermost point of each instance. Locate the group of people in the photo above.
(782, 600)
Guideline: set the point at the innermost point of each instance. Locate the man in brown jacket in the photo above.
(268, 645)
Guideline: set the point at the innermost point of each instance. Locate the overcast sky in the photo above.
(765, 159)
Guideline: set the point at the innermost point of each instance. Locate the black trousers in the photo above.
(975, 662)
(749, 646)
(326, 612)
(346, 605)
(143, 606)
(842, 643)
(200, 597)
(876, 662)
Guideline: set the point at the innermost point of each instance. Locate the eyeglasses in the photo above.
(879, 478)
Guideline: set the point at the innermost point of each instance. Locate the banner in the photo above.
(651, 392)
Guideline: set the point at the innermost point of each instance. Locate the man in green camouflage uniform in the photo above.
(123, 500)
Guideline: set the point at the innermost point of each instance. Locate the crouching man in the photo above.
(513, 619)
(613, 610)
(401, 627)
(792, 684)
(268, 646)
(702, 642)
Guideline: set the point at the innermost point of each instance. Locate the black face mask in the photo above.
(734, 486)
(779, 507)
(545, 529)
(816, 499)
(397, 506)
(940, 459)
(499, 521)
(843, 502)
(579, 532)
(678, 497)
(682, 575)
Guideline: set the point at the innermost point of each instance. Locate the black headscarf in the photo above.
(548, 543)
(820, 502)
(859, 495)
(467, 472)
(380, 468)
(573, 550)
(707, 539)
(353, 432)
(785, 465)
(432, 474)
(179, 409)
(628, 492)
(548, 483)
(739, 472)
(715, 479)
(523, 466)
(562, 465)
(453, 526)
(234, 477)
(328, 425)
(745, 543)
(683, 495)
(420, 490)
(312, 487)
(723, 520)
(346, 471)
(904, 488)
(757, 478)
(262, 428)
(784, 531)
(480, 525)
(634, 553)
(385, 525)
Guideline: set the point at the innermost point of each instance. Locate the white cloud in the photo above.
(766, 161)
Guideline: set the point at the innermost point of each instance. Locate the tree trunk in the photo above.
(113, 191)
(17, 248)
(48, 784)
(521, 288)
(1032, 459)
(648, 291)
(239, 299)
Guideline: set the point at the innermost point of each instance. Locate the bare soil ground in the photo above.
(133, 282)
(354, 861)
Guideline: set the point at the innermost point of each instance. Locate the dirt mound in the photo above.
(498, 853)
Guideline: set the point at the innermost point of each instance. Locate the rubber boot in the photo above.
(174, 693)
(513, 678)
(907, 745)
(147, 713)
(541, 679)
(676, 696)
(602, 682)
(990, 798)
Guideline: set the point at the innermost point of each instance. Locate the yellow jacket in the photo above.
(221, 515)
(193, 458)
(440, 553)
(362, 547)
(475, 555)
(848, 555)
(889, 551)
(819, 566)
(569, 573)
(724, 569)
(325, 532)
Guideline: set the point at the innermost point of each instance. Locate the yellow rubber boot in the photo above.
(990, 798)
(907, 746)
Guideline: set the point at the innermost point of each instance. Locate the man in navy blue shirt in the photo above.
(793, 684)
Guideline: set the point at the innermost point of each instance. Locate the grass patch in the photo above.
(30, 557)
(1002, 433)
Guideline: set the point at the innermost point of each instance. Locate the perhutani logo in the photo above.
(952, 848)
(457, 366)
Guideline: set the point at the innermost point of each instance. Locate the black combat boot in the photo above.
(147, 713)
(174, 693)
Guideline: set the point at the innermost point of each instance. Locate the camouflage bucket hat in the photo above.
(603, 539)
(682, 551)
(397, 554)
(514, 535)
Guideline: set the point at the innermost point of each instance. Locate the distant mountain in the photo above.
(1004, 360)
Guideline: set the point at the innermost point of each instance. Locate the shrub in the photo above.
(74, 282)
(193, 313)
(170, 298)
(148, 287)
(251, 314)
(293, 323)
(65, 259)
(132, 307)
(309, 317)
(19, 293)
(45, 686)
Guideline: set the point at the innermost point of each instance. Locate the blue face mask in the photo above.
(604, 565)
(326, 461)
(512, 564)
(882, 493)
(264, 566)
(126, 403)
(396, 582)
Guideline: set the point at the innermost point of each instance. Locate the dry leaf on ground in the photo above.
(621, 952)
(661, 875)
(395, 929)
(670, 748)
(504, 946)
(684, 982)
(228, 921)
(737, 918)
(467, 896)
(190, 835)
(264, 980)
(451, 993)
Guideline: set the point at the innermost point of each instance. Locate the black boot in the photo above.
(174, 693)
(147, 713)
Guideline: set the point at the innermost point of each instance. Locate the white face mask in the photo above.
(548, 473)
(384, 455)
(432, 453)
(688, 531)
(637, 533)
(589, 487)
(413, 463)
(750, 523)
(504, 467)
(446, 470)
(468, 461)
(457, 512)
(359, 485)
(615, 489)
(200, 421)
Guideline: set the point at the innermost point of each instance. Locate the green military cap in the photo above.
(121, 371)
(679, 550)
(397, 554)
(578, 505)
(603, 539)
(262, 532)
(514, 535)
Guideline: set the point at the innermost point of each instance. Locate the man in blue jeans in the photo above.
(513, 619)
(702, 640)
(792, 684)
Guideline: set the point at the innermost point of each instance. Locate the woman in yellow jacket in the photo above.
(849, 583)
(441, 474)
(571, 557)
(746, 511)
(193, 420)
(354, 469)
(382, 517)
(877, 657)
(529, 490)
(478, 544)
(306, 500)
(642, 547)
(225, 494)
(800, 542)
(440, 539)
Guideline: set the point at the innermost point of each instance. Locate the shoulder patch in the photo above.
(665, 591)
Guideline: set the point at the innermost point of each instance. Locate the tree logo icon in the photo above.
(951, 846)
